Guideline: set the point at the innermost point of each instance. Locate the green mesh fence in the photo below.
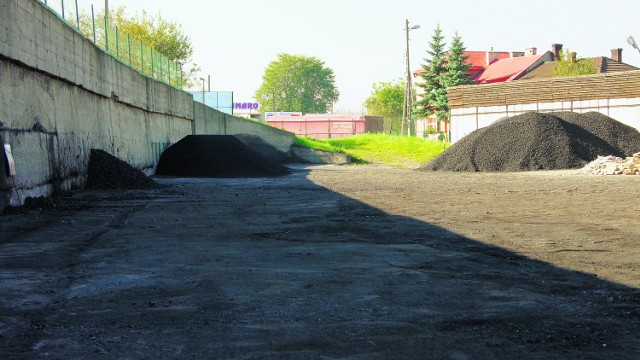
(109, 38)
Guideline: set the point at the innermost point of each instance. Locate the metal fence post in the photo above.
(77, 15)
(62, 3)
(106, 32)
(93, 21)
(129, 46)
(117, 44)
(141, 57)
(152, 68)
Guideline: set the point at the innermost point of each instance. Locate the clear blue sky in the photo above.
(364, 41)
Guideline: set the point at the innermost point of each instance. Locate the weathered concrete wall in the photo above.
(52, 125)
(34, 36)
(61, 96)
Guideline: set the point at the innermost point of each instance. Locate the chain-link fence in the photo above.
(93, 24)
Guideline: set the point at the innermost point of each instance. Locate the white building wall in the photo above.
(468, 119)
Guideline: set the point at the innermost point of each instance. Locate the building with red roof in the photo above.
(489, 67)
(511, 68)
(479, 60)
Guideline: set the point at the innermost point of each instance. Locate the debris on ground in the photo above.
(538, 141)
(108, 172)
(612, 165)
(216, 156)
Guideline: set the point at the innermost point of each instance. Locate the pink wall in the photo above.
(327, 126)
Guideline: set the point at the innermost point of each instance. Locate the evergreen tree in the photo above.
(435, 93)
(456, 73)
(456, 68)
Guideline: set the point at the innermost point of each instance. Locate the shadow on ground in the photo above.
(283, 268)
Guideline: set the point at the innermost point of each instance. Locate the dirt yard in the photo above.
(329, 262)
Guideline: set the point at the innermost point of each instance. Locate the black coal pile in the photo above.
(216, 156)
(531, 141)
(263, 148)
(623, 137)
(108, 172)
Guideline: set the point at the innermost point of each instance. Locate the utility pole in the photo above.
(409, 89)
(203, 91)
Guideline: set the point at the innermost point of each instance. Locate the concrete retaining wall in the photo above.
(52, 125)
(61, 96)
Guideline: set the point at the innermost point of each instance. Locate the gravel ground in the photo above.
(329, 262)
(538, 141)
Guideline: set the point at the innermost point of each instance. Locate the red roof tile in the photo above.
(509, 69)
(477, 59)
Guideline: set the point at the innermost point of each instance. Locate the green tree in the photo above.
(165, 37)
(434, 97)
(386, 100)
(162, 35)
(455, 74)
(570, 65)
(456, 69)
(297, 83)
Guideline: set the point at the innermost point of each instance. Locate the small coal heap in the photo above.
(538, 141)
(216, 156)
(107, 172)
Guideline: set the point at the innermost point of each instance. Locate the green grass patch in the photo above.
(390, 150)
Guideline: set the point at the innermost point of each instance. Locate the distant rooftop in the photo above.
(601, 64)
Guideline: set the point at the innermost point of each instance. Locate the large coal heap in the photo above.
(531, 141)
(108, 172)
(217, 156)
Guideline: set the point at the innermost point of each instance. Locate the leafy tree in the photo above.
(162, 35)
(156, 32)
(386, 100)
(434, 97)
(570, 65)
(297, 83)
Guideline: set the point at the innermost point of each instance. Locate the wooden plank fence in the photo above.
(588, 87)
